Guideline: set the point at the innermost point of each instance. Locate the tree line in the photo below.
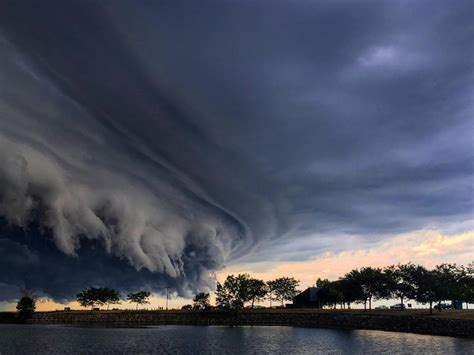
(241, 289)
(403, 281)
(232, 294)
(101, 296)
(237, 290)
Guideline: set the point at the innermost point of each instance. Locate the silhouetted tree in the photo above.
(98, 296)
(108, 296)
(352, 291)
(90, 297)
(26, 305)
(399, 281)
(139, 297)
(372, 281)
(201, 301)
(332, 293)
(283, 289)
(325, 295)
(338, 293)
(450, 282)
(427, 287)
(257, 290)
(222, 297)
(234, 292)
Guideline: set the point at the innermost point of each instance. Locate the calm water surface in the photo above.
(54, 339)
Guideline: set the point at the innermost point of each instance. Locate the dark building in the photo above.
(307, 299)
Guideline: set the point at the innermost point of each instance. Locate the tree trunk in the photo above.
(365, 305)
(253, 300)
(401, 301)
(370, 302)
(431, 307)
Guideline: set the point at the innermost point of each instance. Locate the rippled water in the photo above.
(47, 339)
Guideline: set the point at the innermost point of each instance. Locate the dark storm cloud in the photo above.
(179, 136)
(28, 260)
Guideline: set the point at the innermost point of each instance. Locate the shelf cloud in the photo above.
(148, 144)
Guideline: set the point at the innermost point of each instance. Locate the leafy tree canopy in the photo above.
(234, 292)
(97, 296)
(283, 289)
(201, 301)
(26, 306)
(139, 297)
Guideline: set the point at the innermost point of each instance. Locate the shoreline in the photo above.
(351, 320)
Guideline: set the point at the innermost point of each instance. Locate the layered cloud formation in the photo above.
(149, 143)
(426, 247)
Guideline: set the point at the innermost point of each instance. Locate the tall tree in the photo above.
(372, 281)
(399, 281)
(325, 292)
(283, 289)
(97, 296)
(427, 286)
(139, 298)
(223, 299)
(449, 276)
(201, 301)
(109, 296)
(332, 293)
(26, 305)
(352, 291)
(90, 297)
(234, 292)
(257, 290)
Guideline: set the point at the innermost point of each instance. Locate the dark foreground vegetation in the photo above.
(446, 282)
(403, 281)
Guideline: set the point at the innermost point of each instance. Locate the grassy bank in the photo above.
(449, 322)
(446, 314)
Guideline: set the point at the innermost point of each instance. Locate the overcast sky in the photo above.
(152, 143)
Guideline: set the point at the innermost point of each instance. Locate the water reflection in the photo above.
(46, 339)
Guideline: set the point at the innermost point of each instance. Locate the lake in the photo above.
(47, 339)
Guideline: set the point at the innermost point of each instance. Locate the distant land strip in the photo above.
(446, 323)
